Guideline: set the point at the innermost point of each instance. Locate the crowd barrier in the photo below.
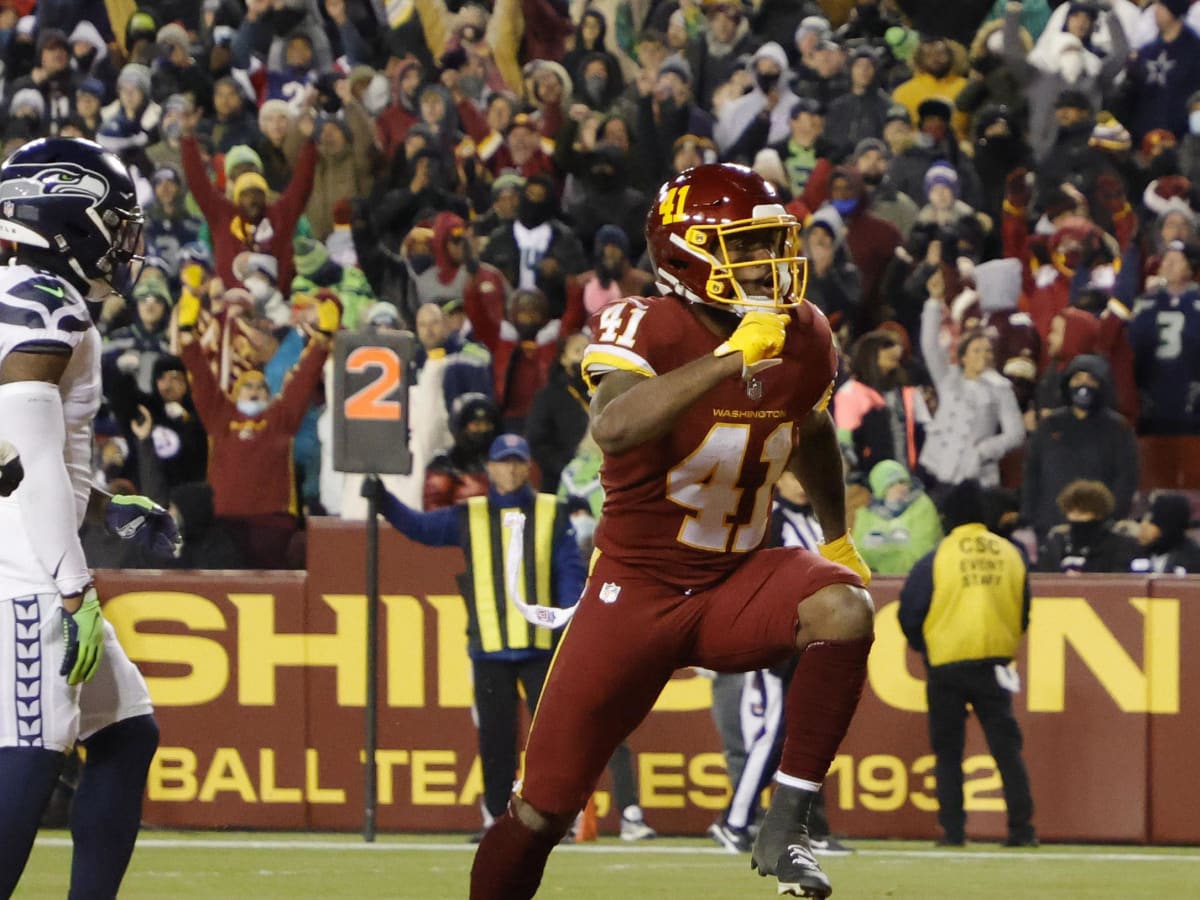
(259, 682)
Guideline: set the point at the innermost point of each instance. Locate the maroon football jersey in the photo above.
(690, 505)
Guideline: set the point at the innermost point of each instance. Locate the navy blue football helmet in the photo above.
(76, 200)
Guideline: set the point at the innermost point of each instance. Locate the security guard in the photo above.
(505, 648)
(964, 608)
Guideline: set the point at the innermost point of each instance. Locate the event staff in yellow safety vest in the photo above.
(964, 608)
(521, 569)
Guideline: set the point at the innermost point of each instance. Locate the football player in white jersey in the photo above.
(71, 209)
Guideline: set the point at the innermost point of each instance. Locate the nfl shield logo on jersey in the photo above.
(609, 592)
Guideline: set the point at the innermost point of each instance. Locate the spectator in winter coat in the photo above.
(1165, 335)
(524, 346)
(834, 282)
(461, 472)
(1088, 541)
(252, 434)
(900, 525)
(455, 271)
(176, 438)
(878, 416)
(937, 68)
(1060, 62)
(805, 153)
(770, 102)
(614, 276)
(537, 250)
(871, 160)
(666, 111)
(978, 420)
(344, 161)
(1165, 73)
(1073, 332)
(717, 52)
(872, 241)
(1087, 439)
(1164, 546)
(558, 419)
(860, 114)
(248, 221)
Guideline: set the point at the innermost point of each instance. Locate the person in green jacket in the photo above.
(900, 525)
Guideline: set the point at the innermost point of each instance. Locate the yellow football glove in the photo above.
(329, 315)
(759, 338)
(843, 552)
(189, 310)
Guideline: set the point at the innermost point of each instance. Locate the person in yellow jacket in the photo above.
(964, 607)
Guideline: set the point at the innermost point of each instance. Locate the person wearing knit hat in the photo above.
(1109, 134)
(250, 188)
(135, 75)
(943, 174)
(239, 160)
(900, 525)
(676, 65)
(28, 103)
(310, 256)
(1165, 547)
(867, 145)
(382, 315)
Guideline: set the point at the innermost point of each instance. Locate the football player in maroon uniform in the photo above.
(701, 399)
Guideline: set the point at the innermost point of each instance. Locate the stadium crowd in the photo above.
(999, 215)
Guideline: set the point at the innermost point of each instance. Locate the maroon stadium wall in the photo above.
(259, 683)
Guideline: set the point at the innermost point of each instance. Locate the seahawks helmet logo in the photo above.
(60, 180)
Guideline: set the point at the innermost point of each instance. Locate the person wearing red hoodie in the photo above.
(1074, 332)
(524, 346)
(249, 221)
(456, 272)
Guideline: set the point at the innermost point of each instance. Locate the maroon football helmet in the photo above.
(708, 223)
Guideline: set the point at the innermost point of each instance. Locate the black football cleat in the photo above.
(782, 847)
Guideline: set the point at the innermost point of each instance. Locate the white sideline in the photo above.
(152, 843)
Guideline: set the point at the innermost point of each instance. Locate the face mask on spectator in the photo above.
(595, 85)
(1084, 397)
(532, 214)
(172, 129)
(1084, 534)
(1194, 121)
(252, 408)
(766, 81)
(845, 207)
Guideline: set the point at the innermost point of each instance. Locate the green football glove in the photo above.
(83, 635)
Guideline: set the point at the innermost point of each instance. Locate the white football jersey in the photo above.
(36, 306)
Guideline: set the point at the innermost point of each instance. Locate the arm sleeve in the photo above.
(569, 571)
(300, 385)
(77, 454)
(935, 357)
(32, 413)
(438, 528)
(915, 597)
(212, 405)
(201, 188)
(294, 199)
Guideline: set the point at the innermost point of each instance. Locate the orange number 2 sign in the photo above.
(369, 402)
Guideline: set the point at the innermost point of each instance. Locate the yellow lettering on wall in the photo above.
(262, 650)
(1059, 621)
(887, 666)
(405, 651)
(685, 694)
(707, 772)
(453, 665)
(313, 792)
(982, 794)
(172, 776)
(205, 657)
(434, 786)
(472, 789)
(661, 789)
(884, 782)
(385, 761)
(922, 769)
(268, 789)
(227, 772)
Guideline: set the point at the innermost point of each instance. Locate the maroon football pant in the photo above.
(630, 634)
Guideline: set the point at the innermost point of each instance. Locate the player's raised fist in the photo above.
(759, 338)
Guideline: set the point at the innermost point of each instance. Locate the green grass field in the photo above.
(241, 866)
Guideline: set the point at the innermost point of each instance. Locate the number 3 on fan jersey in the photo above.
(706, 482)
